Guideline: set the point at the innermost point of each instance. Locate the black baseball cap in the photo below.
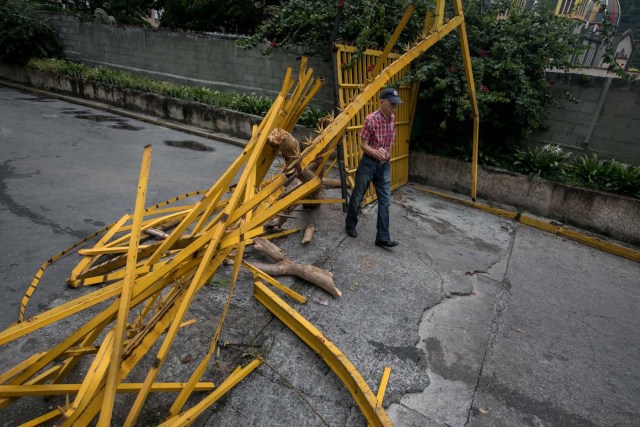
(391, 95)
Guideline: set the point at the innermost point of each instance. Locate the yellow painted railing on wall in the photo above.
(352, 74)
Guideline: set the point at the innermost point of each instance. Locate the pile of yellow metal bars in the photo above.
(148, 287)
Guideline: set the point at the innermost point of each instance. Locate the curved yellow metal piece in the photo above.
(332, 356)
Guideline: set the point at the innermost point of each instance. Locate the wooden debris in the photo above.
(308, 233)
(156, 233)
(286, 267)
(331, 182)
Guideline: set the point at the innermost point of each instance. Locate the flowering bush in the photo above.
(509, 58)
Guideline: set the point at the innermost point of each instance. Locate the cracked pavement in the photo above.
(483, 321)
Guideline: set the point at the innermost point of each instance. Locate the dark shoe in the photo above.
(387, 244)
(351, 232)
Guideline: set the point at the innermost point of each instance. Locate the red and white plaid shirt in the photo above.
(379, 131)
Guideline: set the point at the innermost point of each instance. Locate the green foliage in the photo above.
(251, 104)
(310, 117)
(509, 59)
(546, 162)
(238, 16)
(608, 31)
(610, 176)
(24, 34)
(308, 24)
(630, 19)
(589, 170)
(124, 11)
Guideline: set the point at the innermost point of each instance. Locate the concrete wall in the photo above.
(592, 113)
(212, 61)
(605, 213)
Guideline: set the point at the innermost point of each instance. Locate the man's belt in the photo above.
(382, 162)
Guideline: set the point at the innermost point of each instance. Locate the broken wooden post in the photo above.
(308, 233)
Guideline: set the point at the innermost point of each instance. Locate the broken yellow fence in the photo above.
(150, 266)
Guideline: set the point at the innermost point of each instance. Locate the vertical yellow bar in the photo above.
(466, 58)
(125, 296)
(382, 60)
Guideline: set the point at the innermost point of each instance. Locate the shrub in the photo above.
(24, 34)
(625, 179)
(610, 176)
(509, 58)
(251, 104)
(546, 162)
(310, 117)
(589, 171)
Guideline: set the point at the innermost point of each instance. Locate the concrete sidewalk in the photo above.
(482, 320)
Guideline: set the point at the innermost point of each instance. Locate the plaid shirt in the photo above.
(379, 132)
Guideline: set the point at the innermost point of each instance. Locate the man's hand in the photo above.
(380, 154)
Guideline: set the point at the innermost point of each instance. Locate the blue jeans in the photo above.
(370, 170)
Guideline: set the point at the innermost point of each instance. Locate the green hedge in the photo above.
(246, 103)
(552, 163)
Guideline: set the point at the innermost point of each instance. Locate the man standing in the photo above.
(376, 139)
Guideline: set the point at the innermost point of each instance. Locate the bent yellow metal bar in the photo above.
(338, 362)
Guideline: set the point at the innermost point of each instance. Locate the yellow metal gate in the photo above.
(352, 75)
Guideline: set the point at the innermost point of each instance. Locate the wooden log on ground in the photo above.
(286, 267)
(331, 182)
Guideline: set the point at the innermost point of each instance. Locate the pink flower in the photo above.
(484, 89)
(273, 44)
(453, 69)
(341, 4)
(371, 67)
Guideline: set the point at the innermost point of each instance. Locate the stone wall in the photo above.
(593, 113)
(212, 61)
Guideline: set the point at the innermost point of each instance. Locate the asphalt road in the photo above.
(66, 171)
(483, 321)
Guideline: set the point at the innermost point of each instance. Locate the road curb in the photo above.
(127, 113)
(543, 224)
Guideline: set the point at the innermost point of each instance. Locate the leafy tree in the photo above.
(124, 11)
(24, 34)
(240, 16)
(309, 23)
(509, 55)
(630, 18)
